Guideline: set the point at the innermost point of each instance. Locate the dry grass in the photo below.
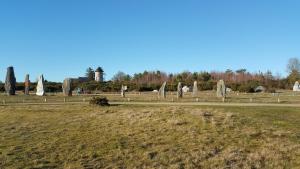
(81, 136)
(203, 96)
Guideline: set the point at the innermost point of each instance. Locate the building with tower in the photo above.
(99, 75)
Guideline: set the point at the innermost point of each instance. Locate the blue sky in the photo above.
(61, 38)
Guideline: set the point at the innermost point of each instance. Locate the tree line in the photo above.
(238, 80)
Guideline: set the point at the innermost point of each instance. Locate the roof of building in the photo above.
(99, 69)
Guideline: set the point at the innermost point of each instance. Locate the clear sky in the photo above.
(61, 38)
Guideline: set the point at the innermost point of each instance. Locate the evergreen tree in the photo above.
(90, 74)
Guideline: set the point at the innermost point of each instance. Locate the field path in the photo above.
(209, 104)
(168, 104)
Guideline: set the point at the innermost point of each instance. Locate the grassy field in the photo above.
(128, 136)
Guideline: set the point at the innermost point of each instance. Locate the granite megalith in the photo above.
(296, 87)
(123, 90)
(67, 87)
(195, 89)
(179, 90)
(27, 85)
(221, 89)
(162, 91)
(259, 89)
(10, 81)
(40, 88)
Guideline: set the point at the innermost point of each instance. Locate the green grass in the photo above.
(83, 136)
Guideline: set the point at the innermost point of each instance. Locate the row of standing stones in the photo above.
(10, 84)
(221, 90)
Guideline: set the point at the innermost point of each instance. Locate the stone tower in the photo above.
(99, 74)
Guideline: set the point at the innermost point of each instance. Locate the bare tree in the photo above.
(293, 65)
(293, 68)
(121, 76)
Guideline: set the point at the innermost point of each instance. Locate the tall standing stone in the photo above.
(221, 89)
(10, 81)
(67, 87)
(162, 91)
(195, 89)
(123, 90)
(40, 89)
(296, 87)
(27, 85)
(179, 90)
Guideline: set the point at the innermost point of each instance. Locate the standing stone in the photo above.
(123, 90)
(10, 81)
(162, 91)
(27, 85)
(79, 91)
(259, 89)
(179, 90)
(67, 87)
(296, 87)
(195, 89)
(185, 89)
(40, 89)
(221, 89)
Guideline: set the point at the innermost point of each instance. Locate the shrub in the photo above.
(271, 90)
(2, 89)
(208, 85)
(248, 87)
(145, 88)
(234, 86)
(101, 101)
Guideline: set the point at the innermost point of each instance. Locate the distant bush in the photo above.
(150, 87)
(234, 86)
(101, 101)
(2, 89)
(52, 86)
(206, 85)
(145, 88)
(271, 90)
(248, 87)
